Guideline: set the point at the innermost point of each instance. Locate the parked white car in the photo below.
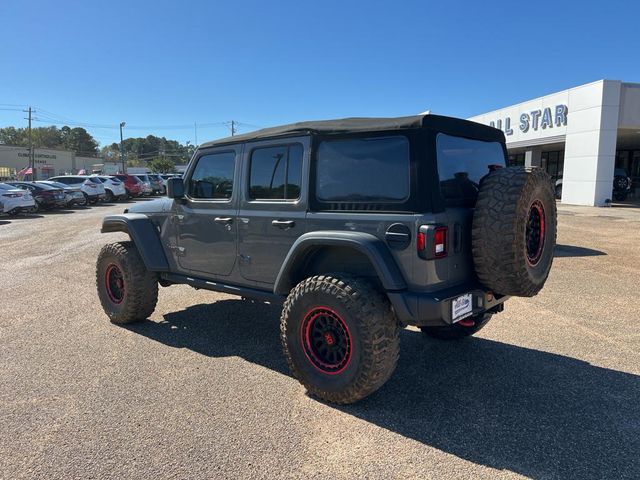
(114, 188)
(15, 200)
(92, 187)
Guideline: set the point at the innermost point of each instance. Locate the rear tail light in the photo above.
(432, 242)
(440, 242)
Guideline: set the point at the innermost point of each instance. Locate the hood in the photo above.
(158, 205)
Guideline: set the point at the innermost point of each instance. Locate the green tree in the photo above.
(151, 147)
(78, 140)
(13, 136)
(75, 139)
(161, 165)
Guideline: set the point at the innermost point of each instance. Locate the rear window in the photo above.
(276, 173)
(462, 162)
(363, 170)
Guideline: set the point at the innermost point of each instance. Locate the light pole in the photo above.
(122, 124)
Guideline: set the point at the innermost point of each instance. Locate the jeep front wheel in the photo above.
(340, 337)
(128, 291)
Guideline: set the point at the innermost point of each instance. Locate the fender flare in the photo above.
(371, 246)
(144, 235)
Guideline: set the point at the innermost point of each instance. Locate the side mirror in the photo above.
(175, 188)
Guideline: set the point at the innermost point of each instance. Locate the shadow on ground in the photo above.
(535, 413)
(573, 251)
(23, 216)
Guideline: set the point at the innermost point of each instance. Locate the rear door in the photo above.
(462, 163)
(273, 205)
(206, 219)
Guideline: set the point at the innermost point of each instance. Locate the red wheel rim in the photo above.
(535, 233)
(114, 282)
(326, 340)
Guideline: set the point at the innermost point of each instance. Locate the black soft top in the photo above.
(362, 124)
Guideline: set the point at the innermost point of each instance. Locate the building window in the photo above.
(553, 163)
(516, 160)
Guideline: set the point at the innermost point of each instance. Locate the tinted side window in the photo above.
(213, 176)
(363, 170)
(462, 162)
(276, 173)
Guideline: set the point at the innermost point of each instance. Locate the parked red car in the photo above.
(132, 184)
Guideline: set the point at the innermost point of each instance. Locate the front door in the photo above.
(273, 207)
(206, 219)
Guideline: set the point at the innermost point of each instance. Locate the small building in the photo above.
(48, 162)
(579, 135)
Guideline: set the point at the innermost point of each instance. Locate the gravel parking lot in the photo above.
(549, 389)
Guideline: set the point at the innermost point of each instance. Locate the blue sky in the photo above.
(158, 63)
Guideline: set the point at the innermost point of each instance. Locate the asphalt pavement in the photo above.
(549, 389)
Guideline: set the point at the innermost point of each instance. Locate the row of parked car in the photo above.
(76, 190)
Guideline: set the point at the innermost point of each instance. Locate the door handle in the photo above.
(283, 224)
(223, 220)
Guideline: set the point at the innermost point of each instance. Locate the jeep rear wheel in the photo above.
(514, 231)
(128, 291)
(459, 330)
(340, 337)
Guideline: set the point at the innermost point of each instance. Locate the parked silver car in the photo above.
(14, 200)
(91, 187)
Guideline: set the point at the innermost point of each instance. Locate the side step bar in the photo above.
(251, 293)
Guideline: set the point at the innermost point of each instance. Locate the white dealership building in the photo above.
(580, 135)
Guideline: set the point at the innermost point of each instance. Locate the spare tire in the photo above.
(514, 231)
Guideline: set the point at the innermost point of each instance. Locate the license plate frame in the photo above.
(461, 307)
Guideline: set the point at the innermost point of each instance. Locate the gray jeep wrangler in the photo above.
(359, 227)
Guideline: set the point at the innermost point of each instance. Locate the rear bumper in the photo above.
(49, 202)
(17, 208)
(435, 308)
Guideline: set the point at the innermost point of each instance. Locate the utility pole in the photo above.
(232, 126)
(124, 170)
(31, 152)
(195, 131)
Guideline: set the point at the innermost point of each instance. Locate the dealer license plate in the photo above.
(461, 306)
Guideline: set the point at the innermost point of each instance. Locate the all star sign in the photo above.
(536, 119)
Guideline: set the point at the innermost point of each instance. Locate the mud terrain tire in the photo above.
(128, 291)
(514, 231)
(340, 337)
